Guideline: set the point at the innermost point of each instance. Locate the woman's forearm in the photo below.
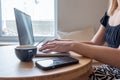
(103, 54)
(90, 42)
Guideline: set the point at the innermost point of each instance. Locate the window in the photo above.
(42, 12)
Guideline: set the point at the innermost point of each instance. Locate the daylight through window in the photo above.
(42, 13)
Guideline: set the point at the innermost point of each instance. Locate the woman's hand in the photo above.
(57, 45)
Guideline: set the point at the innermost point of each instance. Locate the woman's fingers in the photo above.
(47, 46)
(49, 41)
(49, 50)
(56, 40)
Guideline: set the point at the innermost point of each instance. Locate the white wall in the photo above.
(76, 14)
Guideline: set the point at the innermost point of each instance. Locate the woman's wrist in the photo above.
(73, 46)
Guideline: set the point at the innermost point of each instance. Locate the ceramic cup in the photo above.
(25, 53)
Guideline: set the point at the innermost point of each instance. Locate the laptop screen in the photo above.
(24, 28)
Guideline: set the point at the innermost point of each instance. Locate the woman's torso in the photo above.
(112, 25)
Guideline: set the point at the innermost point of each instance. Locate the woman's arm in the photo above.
(103, 54)
(98, 39)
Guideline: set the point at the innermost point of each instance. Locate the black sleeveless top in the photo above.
(112, 33)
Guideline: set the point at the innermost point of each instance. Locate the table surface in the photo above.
(11, 68)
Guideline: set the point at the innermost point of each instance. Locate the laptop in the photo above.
(25, 33)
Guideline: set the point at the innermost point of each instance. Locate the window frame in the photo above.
(37, 38)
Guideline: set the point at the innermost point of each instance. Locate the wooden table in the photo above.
(11, 68)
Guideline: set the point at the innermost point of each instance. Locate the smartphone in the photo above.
(52, 63)
(45, 64)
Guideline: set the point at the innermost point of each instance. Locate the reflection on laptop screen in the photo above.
(24, 28)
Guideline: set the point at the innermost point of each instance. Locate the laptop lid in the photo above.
(24, 28)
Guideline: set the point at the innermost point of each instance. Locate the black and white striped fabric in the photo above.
(105, 72)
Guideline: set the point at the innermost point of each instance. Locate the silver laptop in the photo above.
(25, 33)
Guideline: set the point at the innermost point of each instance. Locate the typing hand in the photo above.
(57, 45)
